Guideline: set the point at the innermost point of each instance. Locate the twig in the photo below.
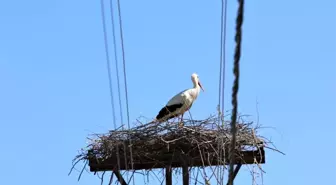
(82, 170)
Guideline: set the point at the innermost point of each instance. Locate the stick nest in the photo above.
(152, 141)
(149, 139)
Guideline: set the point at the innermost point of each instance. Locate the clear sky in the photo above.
(54, 88)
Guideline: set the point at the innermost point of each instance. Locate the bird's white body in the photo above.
(181, 102)
(186, 97)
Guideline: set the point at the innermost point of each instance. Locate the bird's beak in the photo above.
(199, 83)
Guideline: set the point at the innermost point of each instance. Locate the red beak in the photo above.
(199, 83)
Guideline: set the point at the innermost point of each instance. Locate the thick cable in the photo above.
(235, 87)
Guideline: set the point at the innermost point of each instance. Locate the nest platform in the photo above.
(197, 143)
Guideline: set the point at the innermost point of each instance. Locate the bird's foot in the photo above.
(180, 125)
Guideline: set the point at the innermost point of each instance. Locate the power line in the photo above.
(235, 87)
(222, 62)
(125, 79)
(117, 72)
(220, 171)
(116, 60)
(109, 72)
(224, 53)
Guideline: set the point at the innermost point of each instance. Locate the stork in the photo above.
(181, 102)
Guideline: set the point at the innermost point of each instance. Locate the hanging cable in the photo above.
(235, 87)
(221, 85)
(220, 63)
(222, 56)
(223, 51)
(108, 66)
(124, 62)
(116, 61)
(125, 79)
(117, 72)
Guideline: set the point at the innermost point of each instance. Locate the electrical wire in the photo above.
(224, 17)
(221, 85)
(108, 66)
(220, 171)
(117, 72)
(125, 79)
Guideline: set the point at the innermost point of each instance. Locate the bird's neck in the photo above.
(197, 88)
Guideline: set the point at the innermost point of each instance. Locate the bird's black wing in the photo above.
(168, 109)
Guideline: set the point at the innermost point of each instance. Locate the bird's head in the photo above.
(196, 81)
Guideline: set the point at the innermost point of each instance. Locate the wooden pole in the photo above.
(185, 172)
(169, 175)
(119, 177)
(236, 170)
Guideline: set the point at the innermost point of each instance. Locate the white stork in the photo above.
(181, 102)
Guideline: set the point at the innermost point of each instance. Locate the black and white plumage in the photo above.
(181, 102)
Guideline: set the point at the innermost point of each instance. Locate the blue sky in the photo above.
(54, 88)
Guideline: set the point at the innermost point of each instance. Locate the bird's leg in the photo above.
(181, 121)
